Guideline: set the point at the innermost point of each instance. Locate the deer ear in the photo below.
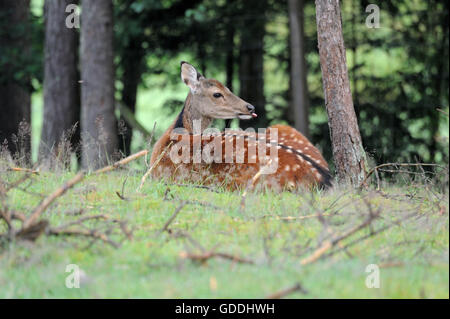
(190, 76)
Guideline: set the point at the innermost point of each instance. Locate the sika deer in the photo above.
(239, 157)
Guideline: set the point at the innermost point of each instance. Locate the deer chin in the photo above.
(246, 116)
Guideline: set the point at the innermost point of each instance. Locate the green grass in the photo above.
(413, 256)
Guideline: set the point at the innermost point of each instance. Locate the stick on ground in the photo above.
(122, 162)
(153, 166)
(51, 198)
(283, 293)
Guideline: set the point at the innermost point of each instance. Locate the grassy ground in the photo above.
(270, 231)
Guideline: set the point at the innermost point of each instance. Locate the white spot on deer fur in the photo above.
(319, 177)
(306, 148)
(287, 168)
(296, 167)
(289, 150)
(291, 135)
(300, 158)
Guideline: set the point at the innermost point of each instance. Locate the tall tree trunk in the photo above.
(229, 63)
(348, 152)
(299, 88)
(61, 88)
(251, 75)
(132, 71)
(98, 121)
(15, 94)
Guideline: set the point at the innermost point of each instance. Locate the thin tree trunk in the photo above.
(98, 121)
(299, 88)
(229, 63)
(132, 70)
(61, 87)
(15, 117)
(348, 152)
(251, 73)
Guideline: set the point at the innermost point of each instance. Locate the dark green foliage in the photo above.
(14, 63)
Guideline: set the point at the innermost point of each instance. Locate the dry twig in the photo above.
(27, 170)
(122, 162)
(149, 171)
(174, 215)
(283, 293)
(204, 257)
(376, 168)
(51, 198)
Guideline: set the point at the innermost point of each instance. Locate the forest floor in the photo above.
(177, 241)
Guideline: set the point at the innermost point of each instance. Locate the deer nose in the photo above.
(250, 108)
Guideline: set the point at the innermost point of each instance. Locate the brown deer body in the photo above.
(232, 159)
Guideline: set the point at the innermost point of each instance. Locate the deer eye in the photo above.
(217, 95)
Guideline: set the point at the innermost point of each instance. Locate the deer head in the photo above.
(211, 99)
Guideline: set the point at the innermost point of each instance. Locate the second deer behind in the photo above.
(280, 158)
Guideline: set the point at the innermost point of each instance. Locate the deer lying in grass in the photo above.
(236, 158)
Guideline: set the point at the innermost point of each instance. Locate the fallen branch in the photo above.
(328, 244)
(27, 170)
(287, 218)
(51, 198)
(373, 233)
(81, 232)
(283, 293)
(211, 189)
(204, 257)
(122, 162)
(174, 215)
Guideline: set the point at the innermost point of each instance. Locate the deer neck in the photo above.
(190, 118)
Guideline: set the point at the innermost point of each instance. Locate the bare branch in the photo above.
(122, 162)
(51, 198)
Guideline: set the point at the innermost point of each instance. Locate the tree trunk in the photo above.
(132, 70)
(15, 91)
(98, 121)
(299, 88)
(348, 152)
(61, 87)
(229, 63)
(251, 74)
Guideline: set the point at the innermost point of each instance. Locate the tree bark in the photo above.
(251, 75)
(98, 121)
(61, 87)
(299, 88)
(15, 92)
(229, 62)
(348, 152)
(132, 71)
